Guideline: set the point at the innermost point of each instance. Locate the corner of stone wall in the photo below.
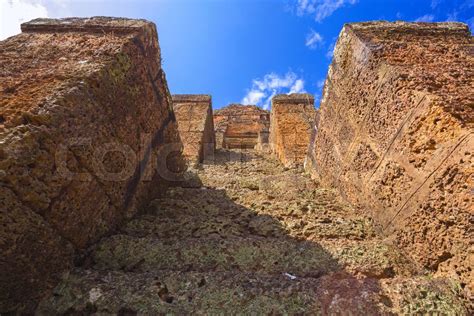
(394, 127)
(77, 159)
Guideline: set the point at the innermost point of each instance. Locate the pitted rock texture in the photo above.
(85, 113)
(292, 123)
(238, 126)
(196, 126)
(396, 136)
(263, 141)
(253, 238)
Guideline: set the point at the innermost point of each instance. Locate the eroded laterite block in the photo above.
(238, 126)
(196, 126)
(86, 118)
(292, 123)
(396, 136)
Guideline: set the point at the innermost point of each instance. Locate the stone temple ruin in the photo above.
(241, 126)
(96, 216)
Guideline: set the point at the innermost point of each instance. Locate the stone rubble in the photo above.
(254, 238)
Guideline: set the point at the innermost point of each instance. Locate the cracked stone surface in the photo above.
(250, 236)
(239, 126)
(396, 137)
(293, 119)
(82, 101)
(195, 125)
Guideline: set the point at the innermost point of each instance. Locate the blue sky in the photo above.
(243, 50)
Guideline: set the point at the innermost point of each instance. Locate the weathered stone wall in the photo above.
(292, 122)
(85, 116)
(241, 135)
(237, 126)
(396, 136)
(195, 125)
(263, 141)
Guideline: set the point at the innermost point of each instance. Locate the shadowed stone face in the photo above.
(396, 136)
(85, 109)
(255, 238)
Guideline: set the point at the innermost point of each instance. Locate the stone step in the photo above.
(247, 222)
(174, 292)
(202, 213)
(249, 254)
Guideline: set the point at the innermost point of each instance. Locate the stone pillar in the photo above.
(292, 121)
(196, 127)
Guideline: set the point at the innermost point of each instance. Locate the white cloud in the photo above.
(434, 3)
(304, 7)
(453, 16)
(297, 87)
(263, 90)
(467, 4)
(253, 97)
(313, 39)
(320, 83)
(330, 51)
(470, 23)
(317, 98)
(15, 12)
(425, 18)
(321, 9)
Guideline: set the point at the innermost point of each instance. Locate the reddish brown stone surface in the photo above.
(85, 116)
(263, 141)
(292, 122)
(396, 136)
(238, 126)
(196, 126)
(260, 237)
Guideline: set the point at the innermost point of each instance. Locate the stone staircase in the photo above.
(246, 236)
